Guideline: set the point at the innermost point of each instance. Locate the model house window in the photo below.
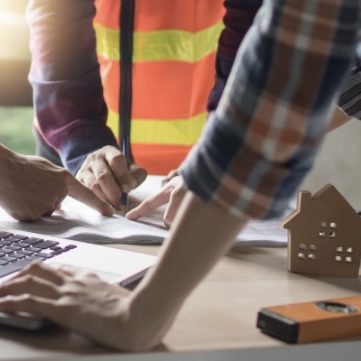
(327, 229)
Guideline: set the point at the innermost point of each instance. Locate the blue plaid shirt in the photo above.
(262, 140)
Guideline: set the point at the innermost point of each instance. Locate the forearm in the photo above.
(68, 95)
(264, 136)
(237, 21)
(201, 234)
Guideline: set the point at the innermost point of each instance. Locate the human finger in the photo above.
(43, 271)
(39, 306)
(174, 202)
(169, 214)
(55, 206)
(138, 174)
(149, 204)
(107, 182)
(120, 168)
(96, 189)
(87, 179)
(29, 284)
(85, 195)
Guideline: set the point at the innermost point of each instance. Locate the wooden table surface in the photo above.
(220, 313)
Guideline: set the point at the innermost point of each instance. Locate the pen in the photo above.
(125, 147)
(125, 99)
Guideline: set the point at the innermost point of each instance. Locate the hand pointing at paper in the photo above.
(32, 187)
(172, 193)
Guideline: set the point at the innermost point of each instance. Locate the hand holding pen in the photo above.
(107, 173)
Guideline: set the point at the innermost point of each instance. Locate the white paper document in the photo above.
(79, 222)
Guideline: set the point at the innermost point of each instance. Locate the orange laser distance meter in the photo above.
(312, 321)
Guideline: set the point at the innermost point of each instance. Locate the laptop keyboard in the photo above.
(16, 251)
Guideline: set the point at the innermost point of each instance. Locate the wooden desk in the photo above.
(221, 312)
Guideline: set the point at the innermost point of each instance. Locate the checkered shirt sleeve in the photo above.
(263, 137)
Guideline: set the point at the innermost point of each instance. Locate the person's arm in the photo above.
(264, 135)
(31, 187)
(68, 94)
(237, 21)
(252, 156)
(69, 106)
(173, 189)
(196, 243)
(113, 316)
(272, 115)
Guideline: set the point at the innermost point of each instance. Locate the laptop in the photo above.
(19, 248)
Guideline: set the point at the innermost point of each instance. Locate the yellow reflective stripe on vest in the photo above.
(172, 132)
(162, 45)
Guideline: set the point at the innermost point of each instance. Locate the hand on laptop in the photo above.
(72, 299)
(31, 187)
(172, 193)
(107, 174)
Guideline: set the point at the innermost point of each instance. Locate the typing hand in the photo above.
(77, 301)
(108, 175)
(32, 187)
(171, 193)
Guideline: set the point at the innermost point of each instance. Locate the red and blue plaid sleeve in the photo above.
(262, 140)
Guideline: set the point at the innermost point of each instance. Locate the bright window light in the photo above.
(9, 18)
(16, 6)
(13, 31)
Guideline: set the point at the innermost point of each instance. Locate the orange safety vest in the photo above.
(173, 71)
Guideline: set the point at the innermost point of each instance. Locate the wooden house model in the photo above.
(324, 235)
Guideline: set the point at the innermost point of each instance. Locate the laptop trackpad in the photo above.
(105, 276)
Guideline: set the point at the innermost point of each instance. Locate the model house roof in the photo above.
(328, 200)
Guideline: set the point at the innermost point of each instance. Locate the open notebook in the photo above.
(79, 222)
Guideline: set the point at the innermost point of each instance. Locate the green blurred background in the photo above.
(15, 92)
(15, 129)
